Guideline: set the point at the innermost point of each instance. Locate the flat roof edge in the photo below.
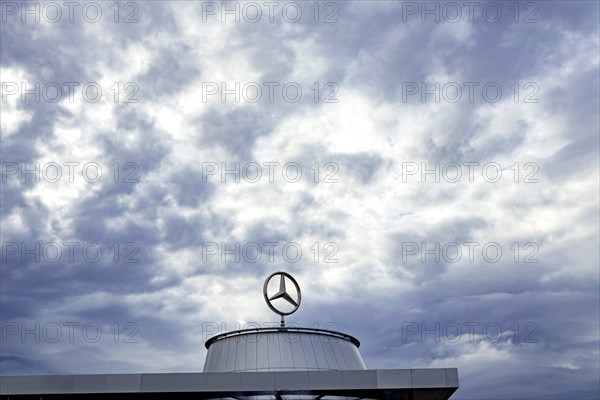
(249, 383)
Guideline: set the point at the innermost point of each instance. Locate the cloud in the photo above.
(384, 163)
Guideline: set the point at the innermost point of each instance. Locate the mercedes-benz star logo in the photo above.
(282, 293)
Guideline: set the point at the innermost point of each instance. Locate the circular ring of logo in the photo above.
(282, 293)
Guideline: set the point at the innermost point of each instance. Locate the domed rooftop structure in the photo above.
(283, 348)
(278, 363)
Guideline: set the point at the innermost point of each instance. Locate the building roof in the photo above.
(282, 349)
(391, 384)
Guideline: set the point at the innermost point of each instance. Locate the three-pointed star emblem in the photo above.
(282, 293)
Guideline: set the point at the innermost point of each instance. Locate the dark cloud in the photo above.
(160, 211)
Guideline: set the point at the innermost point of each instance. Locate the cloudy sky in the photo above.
(427, 171)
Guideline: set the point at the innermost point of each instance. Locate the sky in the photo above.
(427, 171)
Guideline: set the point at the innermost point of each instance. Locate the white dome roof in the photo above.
(282, 349)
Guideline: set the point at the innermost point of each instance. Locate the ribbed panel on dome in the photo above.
(287, 350)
